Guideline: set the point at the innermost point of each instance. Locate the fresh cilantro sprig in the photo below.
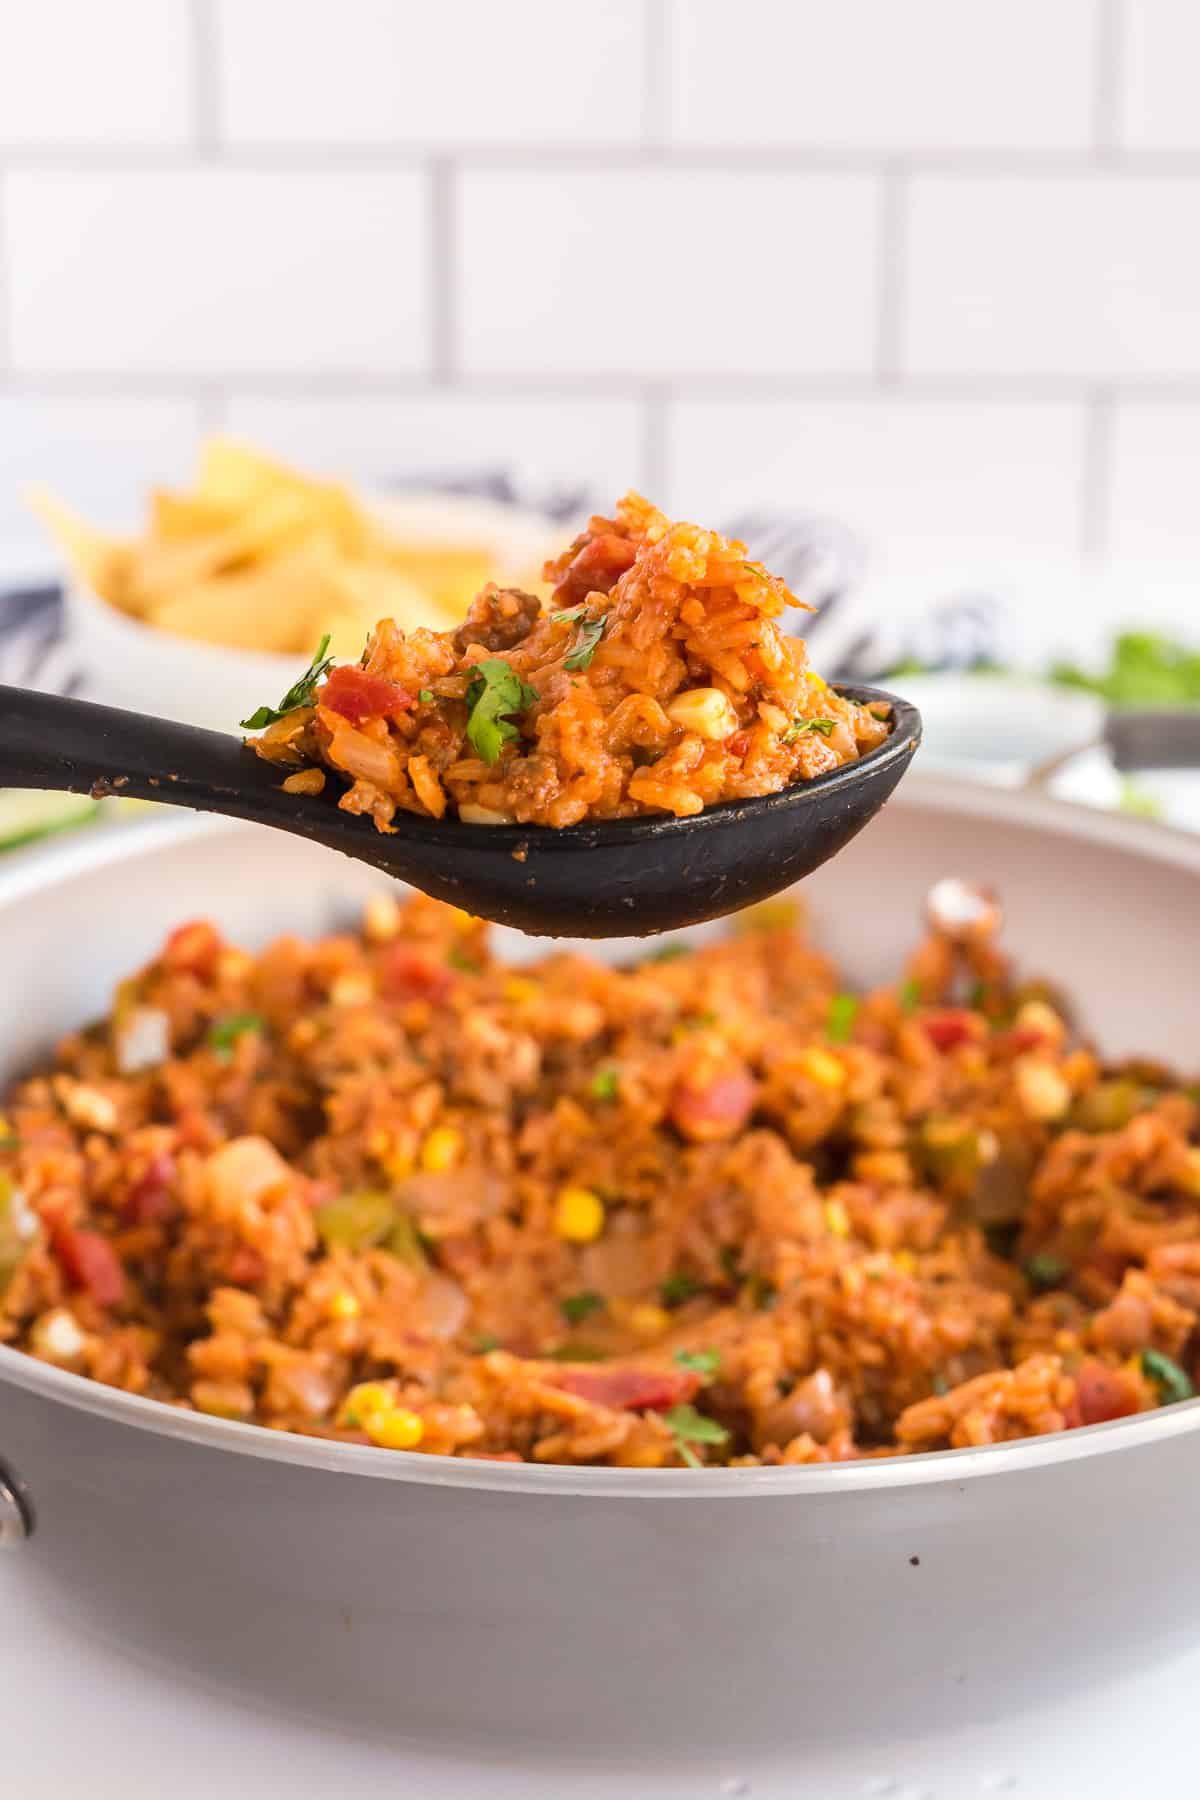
(223, 1034)
(495, 694)
(843, 1010)
(700, 1362)
(606, 1084)
(689, 1427)
(301, 693)
(679, 1288)
(589, 635)
(577, 1307)
(798, 727)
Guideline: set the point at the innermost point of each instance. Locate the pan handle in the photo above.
(1156, 738)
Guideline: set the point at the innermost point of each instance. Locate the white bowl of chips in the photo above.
(216, 607)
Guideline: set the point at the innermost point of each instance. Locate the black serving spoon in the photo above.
(615, 878)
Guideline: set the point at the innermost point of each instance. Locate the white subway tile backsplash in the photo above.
(1154, 482)
(550, 444)
(95, 72)
(1158, 92)
(100, 454)
(658, 272)
(1091, 276)
(940, 74)
(383, 72)
(904, 472)
(211, 270)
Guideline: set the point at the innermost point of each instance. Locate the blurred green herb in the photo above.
(299, 694)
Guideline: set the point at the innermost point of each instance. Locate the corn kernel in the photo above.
(395, 1428)
(823, 1067)
(352, 990)
(365, 1401)
(518, 989)
(837, 1218)
(815, 680)
(381, 918)
(441, 1150)
(1036, 1015)
(1041, 1090)
(705, 710)
(649, 1321)
(905, 1261)
(578, 1215)
(344, 1305)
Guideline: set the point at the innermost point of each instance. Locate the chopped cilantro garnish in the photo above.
(1045, 1270)
(223, 1034)
(495, 693)
(761, 1293)
(678, 1288)
(573, 1353)
(425, 696)
(485, 1342)
(730, 1263)
(689, 1427)
(458, 959)
(299, 694)
(570, 613)
(798, 727)
(701, 1362)
(577, 1307)
(590, 633)
(843, 1010)
(605, 1084)
(940, 1385)
(666, 953)
(910, 996)
(1171, 1381)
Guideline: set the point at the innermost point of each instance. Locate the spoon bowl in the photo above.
(613, 878)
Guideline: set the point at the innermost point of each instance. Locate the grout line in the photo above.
(212, 407)
(656, 91)
(653, 473)
(1108, 69)
(554, 160)
(206, 51)
(894, 194)
(1096, 491)
(443, 260)
(1181, 390)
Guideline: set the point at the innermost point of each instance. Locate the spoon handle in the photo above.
(48, 741)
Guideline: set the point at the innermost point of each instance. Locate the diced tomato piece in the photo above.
(1104, 1393)
(596, 569)
(718, 1107)
(193, 949)
(737, 743)
(89, 1261)
(1022, 1038)
(150, 1197)
(358, 696)
(631, 1389)
(246, 1266)
(408, 974)
(947, 1030)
